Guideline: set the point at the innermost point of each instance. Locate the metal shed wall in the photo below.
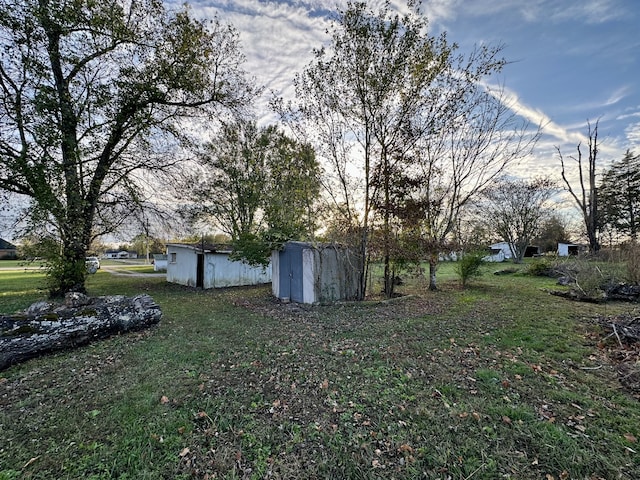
(218, 270)
(309, 273)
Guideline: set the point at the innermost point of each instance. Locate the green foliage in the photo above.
(542, 267)
(65, 274)
(470, 266)
(260, 187)
(94, 98)
(619, 198)
(252, 249)
(553, 230)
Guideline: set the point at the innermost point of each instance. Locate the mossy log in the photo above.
(47, 327)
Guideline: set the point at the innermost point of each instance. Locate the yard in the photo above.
(500, 380)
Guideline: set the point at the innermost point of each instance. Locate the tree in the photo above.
(516, 209)
(373, 101)
(586, 198)
(619, 197)
(93, 96)
(472, 137)
(553, 230)
(258, 186)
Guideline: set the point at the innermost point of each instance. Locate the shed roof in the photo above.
(205, 247)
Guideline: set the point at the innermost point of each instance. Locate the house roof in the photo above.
(4, 245)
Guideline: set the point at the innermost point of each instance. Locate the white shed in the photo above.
(209, 266)
(566, 249)
(499, 252)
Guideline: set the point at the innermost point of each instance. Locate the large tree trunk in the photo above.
(433, 268)
(45, 327)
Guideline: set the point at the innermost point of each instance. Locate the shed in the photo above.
(209, 266)
(315, 273)
(499, 252)
(159, 262)
(8, 251)
(566, 249)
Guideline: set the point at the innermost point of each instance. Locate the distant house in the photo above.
(209, 266)
(8, 251)
(567, 249)
(315, 273)
(119, 254)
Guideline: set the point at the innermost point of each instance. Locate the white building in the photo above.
(499, 252)
(209, 266)
(566, 249)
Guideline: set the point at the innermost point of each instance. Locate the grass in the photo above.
(499, 380)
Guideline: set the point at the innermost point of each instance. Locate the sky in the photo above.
(571, 61)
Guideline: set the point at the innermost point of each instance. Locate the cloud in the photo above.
(632, 133)
(591, 12)
(538, 117)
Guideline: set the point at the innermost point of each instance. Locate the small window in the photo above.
(173, 257)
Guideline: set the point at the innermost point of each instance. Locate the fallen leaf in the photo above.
(325, 384)
(476, 415)
(164, 399)
(506, 420)
(184, 452)
(564, 475)
(405, 448)
(630, 438)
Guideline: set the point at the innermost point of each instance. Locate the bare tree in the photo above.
(474, 140)
(387, 98)
(515, 209)
(585, 195)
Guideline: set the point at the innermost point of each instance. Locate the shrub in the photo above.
(543, 267)
(469, 266)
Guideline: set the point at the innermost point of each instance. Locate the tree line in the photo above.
(392, 136)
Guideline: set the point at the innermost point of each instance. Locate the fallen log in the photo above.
(47, 327)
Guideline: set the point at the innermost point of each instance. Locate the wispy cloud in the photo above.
(537, 117)
(632, 133)
(587, 11)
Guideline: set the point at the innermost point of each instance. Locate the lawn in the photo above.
(499, 380)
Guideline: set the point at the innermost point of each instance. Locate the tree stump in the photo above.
(47, 327)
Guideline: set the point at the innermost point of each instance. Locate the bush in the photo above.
(543, 267)
(469, 266)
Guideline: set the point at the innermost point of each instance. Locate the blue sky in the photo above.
(572, 60)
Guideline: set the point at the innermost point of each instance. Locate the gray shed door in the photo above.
(291, 272)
